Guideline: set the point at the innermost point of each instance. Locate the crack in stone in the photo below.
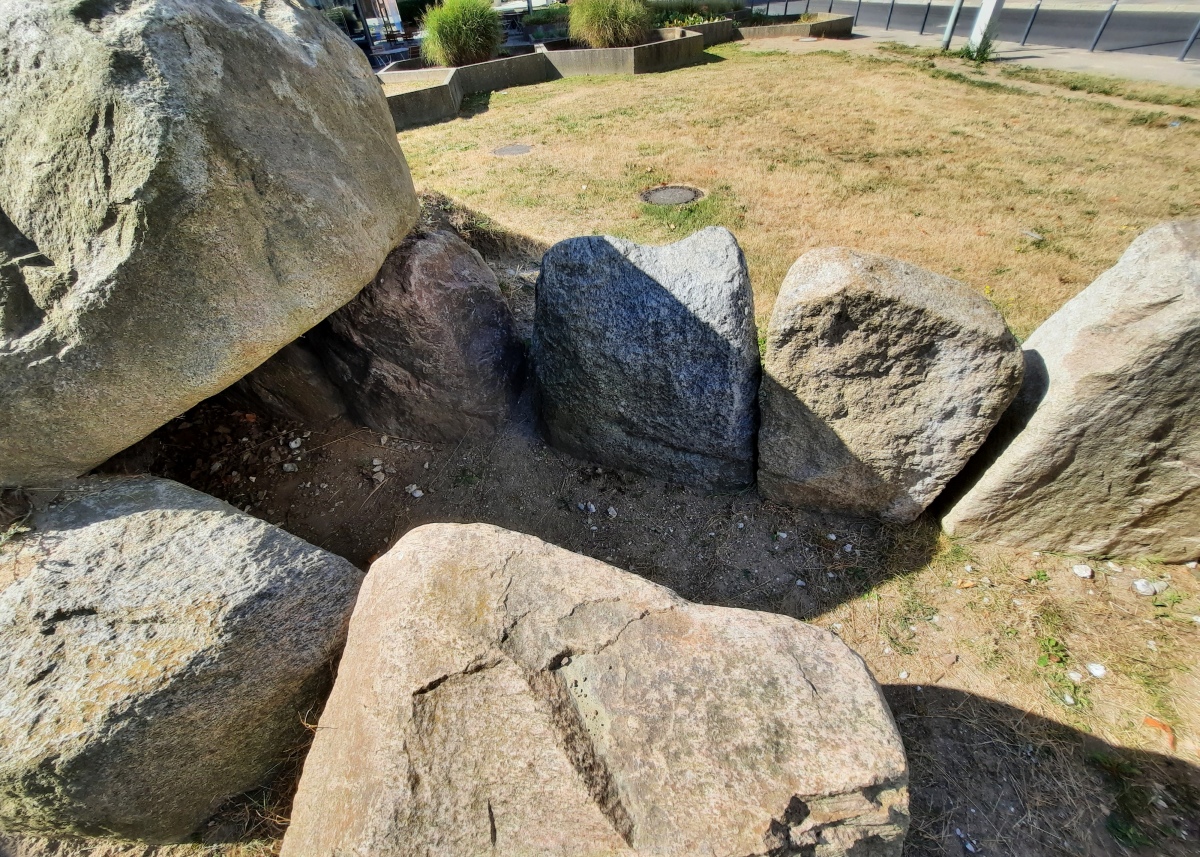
(478, 665)
(581, 750)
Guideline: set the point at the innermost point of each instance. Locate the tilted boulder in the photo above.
(499, 695)
(158, 653)
(429, 349)
(880, 381)
(1100, 453)
(188, 186)
(647, 357)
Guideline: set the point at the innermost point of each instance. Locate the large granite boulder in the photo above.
(647, 357)
(188, 186)
(158, 652)
(1100, 453)
(499, 695)
(429, 349)
(880, 381)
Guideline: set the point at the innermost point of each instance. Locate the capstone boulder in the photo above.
(1100, 452)
(647, 357)
(188, 186)
(880, 381)
(499, 695)
(159, 651)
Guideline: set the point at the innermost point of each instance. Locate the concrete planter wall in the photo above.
(825, 27)
(411, 108)
(674, 48)
(442, 97)
(714, 32)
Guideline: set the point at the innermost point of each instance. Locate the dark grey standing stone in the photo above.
(647, 357)
(428, 350)
(158, 651)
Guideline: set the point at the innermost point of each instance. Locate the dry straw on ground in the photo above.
(1024, 193)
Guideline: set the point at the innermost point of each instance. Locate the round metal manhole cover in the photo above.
(514, 149)
(672, 194)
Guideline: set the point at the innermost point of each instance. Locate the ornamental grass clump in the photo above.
(461, 32)
(610, 23)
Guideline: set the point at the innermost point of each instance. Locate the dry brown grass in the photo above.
(798, 152)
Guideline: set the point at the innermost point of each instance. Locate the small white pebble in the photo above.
(418, 494)
(1143, 587)
(612, 512)
(383, 440)
(1097, 670)
(1196, 619)
(1084, 571)
(591, 507)
(295, 444)
(1192, 564)
(837, 626)
(376, 462)
(802, 583)
(782, 535)
(1113, 567)
(830, 574)
(712, 534)
(968, 568)
(594, 529)
(426, 465)
(322, 485)
(833, 537)
(848, 548)
(904, 674)
(1037, 553)
(252, 478)
(740, 525)
(288, 467)
(1075, 676)
(1151, 645)
(410, 488)
(1068, 699)
(887, 650)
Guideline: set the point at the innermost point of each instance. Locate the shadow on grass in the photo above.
(1009, 782)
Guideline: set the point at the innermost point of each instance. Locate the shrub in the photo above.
(610, 23)
(710, 10)
(461, 32)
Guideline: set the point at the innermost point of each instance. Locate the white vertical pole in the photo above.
(986, 22)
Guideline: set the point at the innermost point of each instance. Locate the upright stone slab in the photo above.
(1100, 453)
(499, 695)
(428, 350)
(647, 357)
(880, 381)
(188, 185)
(158, 652)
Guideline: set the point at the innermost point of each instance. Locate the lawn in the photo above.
(1024, 191)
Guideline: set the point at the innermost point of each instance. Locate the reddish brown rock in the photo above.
(428, 350)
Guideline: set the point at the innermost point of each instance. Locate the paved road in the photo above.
(1131, 29)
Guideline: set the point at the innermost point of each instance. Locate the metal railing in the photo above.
(1117, 25)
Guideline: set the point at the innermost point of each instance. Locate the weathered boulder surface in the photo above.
(647, 357)
(294, 386)
(501, 695)
(188, 186)
(158, 650)
(1100, 452)
(429, 349)
(880, 381)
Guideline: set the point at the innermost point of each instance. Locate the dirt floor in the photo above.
(975, 646)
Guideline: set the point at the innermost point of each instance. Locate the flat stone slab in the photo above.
(499, 695)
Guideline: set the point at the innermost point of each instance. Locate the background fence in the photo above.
(1137, 26)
